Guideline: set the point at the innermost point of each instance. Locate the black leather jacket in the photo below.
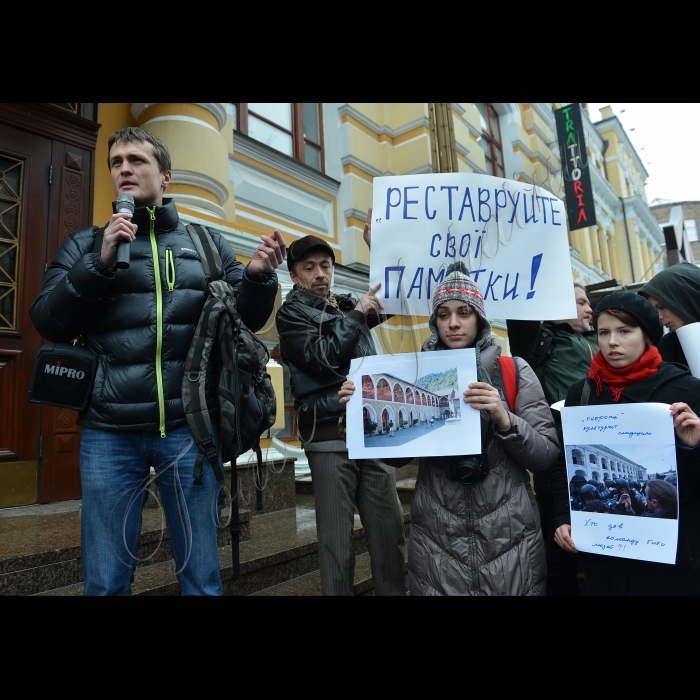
(317, 342)
(138, 381)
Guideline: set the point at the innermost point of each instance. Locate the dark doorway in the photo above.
(46, 166)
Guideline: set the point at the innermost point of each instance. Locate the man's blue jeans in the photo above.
(114, 471)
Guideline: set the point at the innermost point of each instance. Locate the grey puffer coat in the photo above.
(485, 539)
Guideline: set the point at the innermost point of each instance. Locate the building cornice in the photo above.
(384, 129)
(614, 122)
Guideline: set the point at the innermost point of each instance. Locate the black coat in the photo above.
(607, 575)
(317, 342)
(120, 315)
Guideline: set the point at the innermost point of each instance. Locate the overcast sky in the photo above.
(666, 137)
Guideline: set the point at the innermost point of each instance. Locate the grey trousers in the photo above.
(340, 484)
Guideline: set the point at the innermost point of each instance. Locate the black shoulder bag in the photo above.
(64, 373)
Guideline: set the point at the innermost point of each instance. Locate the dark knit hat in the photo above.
(302, 246)
(635, 305)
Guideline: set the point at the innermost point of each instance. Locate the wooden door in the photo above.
(25, 161)
(46, 165)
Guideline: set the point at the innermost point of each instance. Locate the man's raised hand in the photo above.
(269, 255)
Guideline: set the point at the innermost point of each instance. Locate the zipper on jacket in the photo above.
(159, 319)
(170, 271)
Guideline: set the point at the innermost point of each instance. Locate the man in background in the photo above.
(560, 353)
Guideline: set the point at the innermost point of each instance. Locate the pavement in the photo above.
(401, 437)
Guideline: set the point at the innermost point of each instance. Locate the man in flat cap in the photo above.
(320, 332)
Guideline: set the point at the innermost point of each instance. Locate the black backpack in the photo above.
(247, 401)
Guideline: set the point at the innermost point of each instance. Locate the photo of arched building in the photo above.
(389, 402)
(600, 462)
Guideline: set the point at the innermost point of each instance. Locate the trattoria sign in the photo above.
(574, 164)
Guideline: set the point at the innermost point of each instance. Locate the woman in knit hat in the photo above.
(483, 537)
(629, 369)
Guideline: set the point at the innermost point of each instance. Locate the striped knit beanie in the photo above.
(458, 286)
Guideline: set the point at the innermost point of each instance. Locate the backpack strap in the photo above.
(510, 379)
(208, 253)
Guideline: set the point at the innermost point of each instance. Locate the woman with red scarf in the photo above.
(629, 369)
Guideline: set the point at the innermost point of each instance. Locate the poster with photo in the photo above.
(412, 405)
(621, 467)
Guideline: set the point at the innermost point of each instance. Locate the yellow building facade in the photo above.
(235, 167)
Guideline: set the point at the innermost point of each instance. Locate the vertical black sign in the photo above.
(574, 166)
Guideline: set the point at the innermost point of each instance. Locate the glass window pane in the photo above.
(495, 125)
(483, 112)
(232, 109)
(692, 229)
(311, 130)
(277, 112)
(262, 131)
(312, 156)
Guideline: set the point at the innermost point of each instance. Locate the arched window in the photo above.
(367, 387)
(383, 390)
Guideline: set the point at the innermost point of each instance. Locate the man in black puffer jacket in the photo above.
(320, 333)
(140, 322)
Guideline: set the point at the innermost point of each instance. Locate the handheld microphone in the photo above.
(125, 204)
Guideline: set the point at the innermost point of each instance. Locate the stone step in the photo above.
(310, 584)
(40, 547)
(282, 547)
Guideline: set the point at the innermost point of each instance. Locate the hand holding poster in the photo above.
(630, 442)
(411, 405)
(512, 237)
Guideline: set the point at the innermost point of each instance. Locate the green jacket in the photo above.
(569, 361)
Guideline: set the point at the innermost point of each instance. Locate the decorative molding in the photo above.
(370, 124)
(188, 177)
(271, 198)
(246, 146)
(361, 165)
(199, 203)
(138, 108)
(475, 167)
(356, 213)
(50, 122)
(179, 118)
(645, 218)
(217, 109)
(545, 113)
(614, 122)
(461, 149)
(71, 202)
(535, 154)
(539, 133)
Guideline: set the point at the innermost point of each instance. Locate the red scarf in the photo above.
(618, 379)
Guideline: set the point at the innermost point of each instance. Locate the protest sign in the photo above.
(634, 442)
(412, 405)
(511, 236)
(689, 338)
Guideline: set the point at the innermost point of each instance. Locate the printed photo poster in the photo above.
(510, 235)
(412, 405)
(635, 443)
